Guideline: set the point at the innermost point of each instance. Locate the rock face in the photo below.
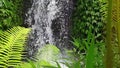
(50, 22)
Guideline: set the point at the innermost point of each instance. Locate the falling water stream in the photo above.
(50, 22)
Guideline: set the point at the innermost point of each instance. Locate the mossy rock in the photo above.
(48, 57)
(48, 53)
(45, 57)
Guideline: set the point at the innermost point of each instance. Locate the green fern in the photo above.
(11, 46)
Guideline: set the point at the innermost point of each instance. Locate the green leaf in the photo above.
(12, 45)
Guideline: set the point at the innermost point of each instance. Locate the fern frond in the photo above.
(11, 46)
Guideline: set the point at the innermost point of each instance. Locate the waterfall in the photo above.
(50, 22)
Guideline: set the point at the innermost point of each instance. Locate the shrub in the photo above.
(10, 13)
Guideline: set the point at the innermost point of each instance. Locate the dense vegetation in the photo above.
(95, 36)
(88, 30)
(10, 13)
(88, 15)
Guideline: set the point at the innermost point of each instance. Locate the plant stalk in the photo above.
(109, 52)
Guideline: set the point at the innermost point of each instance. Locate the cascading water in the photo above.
(49, 20)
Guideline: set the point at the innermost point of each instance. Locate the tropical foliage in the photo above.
(91, 53)
(10, 13)
(12, 44)
(95, 32)
(88, 13)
